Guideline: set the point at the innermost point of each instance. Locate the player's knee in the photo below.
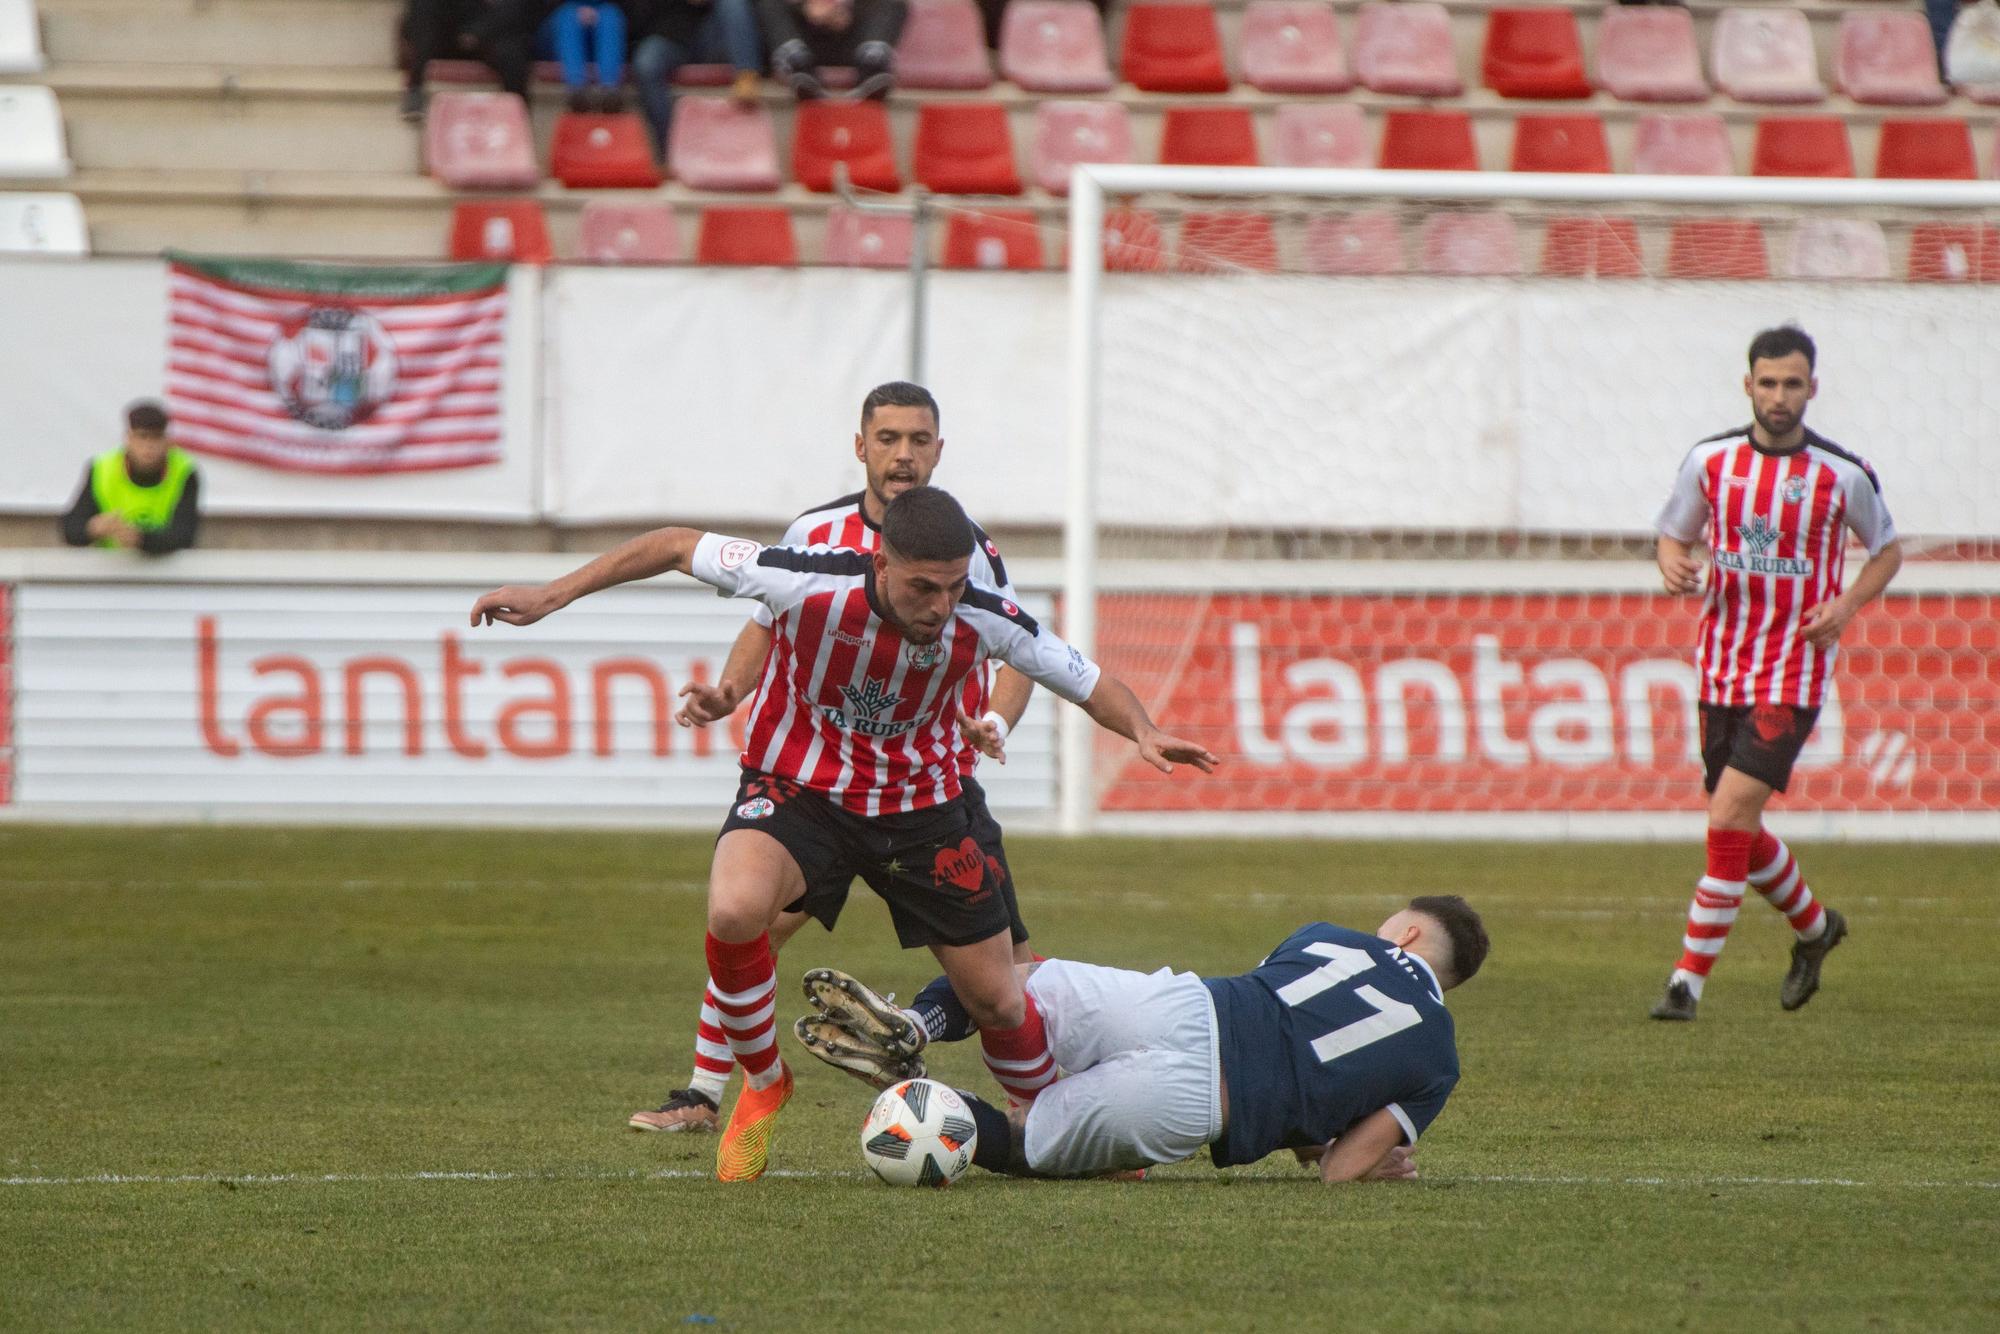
(999, 1011)
(736, 921)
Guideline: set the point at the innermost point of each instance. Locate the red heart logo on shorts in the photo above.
(964, 866)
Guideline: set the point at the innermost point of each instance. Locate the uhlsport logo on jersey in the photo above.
(333, 366)
(864, 703)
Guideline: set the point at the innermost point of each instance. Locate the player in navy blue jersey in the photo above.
(1337, 1046)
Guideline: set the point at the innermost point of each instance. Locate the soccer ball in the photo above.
(919, 1133)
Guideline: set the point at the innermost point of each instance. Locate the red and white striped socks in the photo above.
(1019, 1057)
(713, 1061)
(1776, 875)
(744, 987)
(1717, 896)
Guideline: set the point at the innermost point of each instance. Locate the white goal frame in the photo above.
(1083, 577)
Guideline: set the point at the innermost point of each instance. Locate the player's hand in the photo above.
(516, 604)
(1399, 1164)
(706, 703)
(1822, 624)
(1163, 752)
(983, 735)
(1680, 574)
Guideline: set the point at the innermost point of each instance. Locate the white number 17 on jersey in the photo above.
(1391, 1016)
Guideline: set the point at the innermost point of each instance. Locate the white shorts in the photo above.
(1144, 1082)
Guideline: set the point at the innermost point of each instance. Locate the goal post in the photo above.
(1454, 629)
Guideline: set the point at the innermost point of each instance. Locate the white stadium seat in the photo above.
(31, 133)
(20, 38)
(38, 224)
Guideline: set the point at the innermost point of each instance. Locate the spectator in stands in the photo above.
(686, 32)
(808, 34)
(588, 40)
(447, 30)
(143, 497)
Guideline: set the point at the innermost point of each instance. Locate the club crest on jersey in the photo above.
(1795, 490)
(757, 808)
(923, 657)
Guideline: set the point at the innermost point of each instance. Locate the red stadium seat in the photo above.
(1475, 243)
(868, 240)
(1406, 48)
(1926, 150)
(1293, 46)
(1208, 137)
(480, 141)
(747, 236)
(1369, 242)
(1591, 248)
(1947, 252)
(856, 133)
(1802, 146)
(1008, 238)
(1716, 248)
(1765, 55)
(965, 148)
(1888, 58)
(509, 229)
(943, 46)
(1067, 133)
(1321, 134)
(1429, 141)
(1560, 143)
(615, 232)
(1225, 242)
(1648, 54)
(1683, 144)
(1133, 242)
(1054, 46)
(1534, 53)
(1173, 48)
(719, 144)
(602, 153)
(1852, 249)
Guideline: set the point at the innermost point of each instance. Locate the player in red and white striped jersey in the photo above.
(854, 773)
(1775, 504)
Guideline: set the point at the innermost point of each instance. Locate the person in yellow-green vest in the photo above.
(145, 496)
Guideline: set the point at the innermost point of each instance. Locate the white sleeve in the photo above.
(1867, 515)
(1685, 515)
(1034, 651)
(795, 536)
(730, 566)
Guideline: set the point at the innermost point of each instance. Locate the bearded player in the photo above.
(849, 766)
(1775, 503)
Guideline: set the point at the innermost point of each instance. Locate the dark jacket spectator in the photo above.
(805, 35)
(673, 33)
(449, 30)
(143, 497)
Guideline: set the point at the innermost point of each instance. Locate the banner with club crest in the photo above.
(337, 368)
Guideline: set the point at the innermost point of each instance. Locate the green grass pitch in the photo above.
(288, 1079)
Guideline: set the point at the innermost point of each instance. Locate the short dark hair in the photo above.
(899, 394)
(147, 416)
(1782, 342)
(925, 523)
(1462, 926)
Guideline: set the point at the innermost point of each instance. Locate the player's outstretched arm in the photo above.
(662, 551)
(1114, 707)
(712, 703)
(1822, 624)
(1372, 1150)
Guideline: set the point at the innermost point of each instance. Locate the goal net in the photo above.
(1364, 465)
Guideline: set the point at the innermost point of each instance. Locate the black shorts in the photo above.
(987, 830)
(941, 881)
(1761, 740)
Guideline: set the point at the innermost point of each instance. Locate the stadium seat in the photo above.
(1208, 137)
(1533, 53)
(1647, 53)
(868, 240)
(1133, 242)
(1716, 248)
(1369, 242)
(1926, 150)
(943, 46)
(1428, 141)
(480, 141)
(31, 133)
(507, 229)
(747, 235)
(42, 224)
(1948, 252)
(1293, 46)
(598, 152)
(1054, 46)
(1851, 248)
(1802, 146)
(616, 232)
(1007, 238)
(1560, 143)
(1682, 144)
(1591, 248)
(1173, 48)
(1320, 134)
(857, 133)
(1067, 133)
(1887, 59)
(965, 148)
(1471, 243)
(1227, 241)
(20, 38)
(719, 144)
(1406, 48)
(1765, 55)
